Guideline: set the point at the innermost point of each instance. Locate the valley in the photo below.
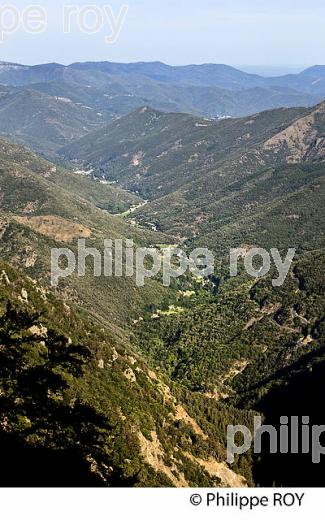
(137, 385)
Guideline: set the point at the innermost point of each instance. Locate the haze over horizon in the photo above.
(264, 35)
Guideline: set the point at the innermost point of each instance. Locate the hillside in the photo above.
(200, 175)
(44, 122)
(117, 97)
(40, 211)
(82, 408)
(156, 153)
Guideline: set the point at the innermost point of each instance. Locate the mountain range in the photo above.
(82, 96)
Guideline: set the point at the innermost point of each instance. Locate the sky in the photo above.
(244, 33)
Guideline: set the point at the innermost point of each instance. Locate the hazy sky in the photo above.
(236, 32)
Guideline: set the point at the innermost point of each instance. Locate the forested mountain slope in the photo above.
(156, 153)
(45, 207)
(205, 178)
(42, 121)
(79, 407)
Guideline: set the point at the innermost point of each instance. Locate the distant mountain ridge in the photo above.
(205, 75)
